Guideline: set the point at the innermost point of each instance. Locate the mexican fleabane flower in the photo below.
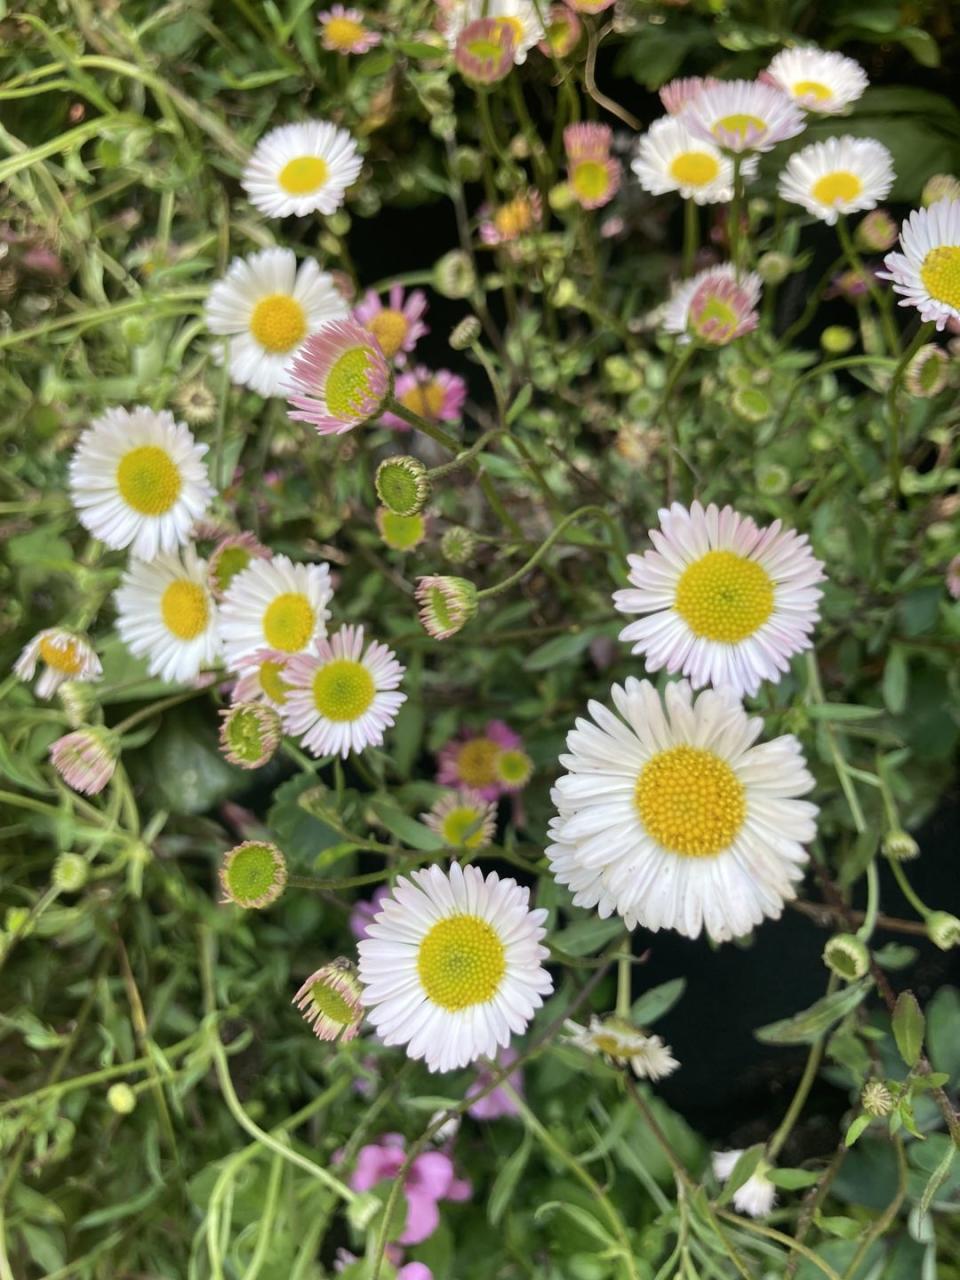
(677, 93)
(301, 168)
(621, 1044)
(86, 759)
(519, 17)
(339, 379)
(758, 1194)
(165, 613)
(275, 604)
(512, 220)
(402, 484)
(342, 697)
(436, 395)
(471, 760)
(464, 819)
(253, 875)
(445, 604)
(398, 325)
(927, 373)
(743, 115)
(498, 1102)
(593, 173)
(725, 602)
(674, 817)
(64, 655)
(838, 175)
(670, 158)
(138, 480)
(401, 533)
(250, 734)
(330, 1001)
(484, 52)
(452, 965)
(344, 31)
(260, 678)
(819, 81)
(267, 306)
(927, 272)
(715, 307)
(562, 32)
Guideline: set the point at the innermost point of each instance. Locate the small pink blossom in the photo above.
(343, 31)
(470, 759)
(498, 1102)
(364, 911)
(594, 175)
(679, 92)
(396, 325)
(563, 32)
(436, 395)
(429, 1180)
(339, 378)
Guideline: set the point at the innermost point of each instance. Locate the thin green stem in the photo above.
(894, 461)
(908, 891)
(802, 1092)
(596, 512)
(890, 334)
(420, 424)
(691, 235)
(865, 932)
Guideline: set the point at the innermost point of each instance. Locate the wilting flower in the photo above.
(339, 379)
(485, 51)
(562, 33)
(436, 396)
(838, 175)
(301, 168)
(943, 930)
(275, 604)
(594, 174)
(821, 82)
(876, 1099)
(344, 31)
(165, 613)
(673, 817)
(464, 820)
(249, 734)
(716, 306)
(231, 556)
(86, 759)
(253, 874)
(398, 326)
(621, 1043)
(743, 115)
(846, 956)
(927, 272)
(520, 18)
(758, 1194)
(471, 760)
(402, 484)
(498, 1102)
(65, 656)
(196, 402)
(138, 480)
(430, 1179)
(876, 232)
(513, 220)
(727, 603)
(926, 374)
(670, 158)
(677, 93)
(452, 965)
(330, 1001)
(446, 605)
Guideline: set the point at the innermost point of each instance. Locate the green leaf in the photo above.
(182, 765)
(657, 1001)
(794, 1179)
(506, 1180)
(420, 49)
(558, 651)
(585, 937)
(937, 1178)
(522, 399)
(921, 44)
(943, 1043)
(835, 1225)
(855, 1130)
(908, 1027)
(405, 828)
(896, 676)
(842, 711)
(581, 1217)
(808, 1025)
(299, 831)
(742, 1171)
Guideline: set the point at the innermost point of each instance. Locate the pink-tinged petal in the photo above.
(423, 1218)
(430, 1174)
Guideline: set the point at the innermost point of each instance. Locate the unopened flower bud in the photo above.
(446, 605)
(196, 402)
(836, 339)
(454, 276)
(750, 404)
(772, 479)
(401, 533)
(86, 759)
(926, 374)
(250, 734)
(566, 293)
(561, 197)
(876, 232)
(121, 1099)
(331, 1001)
(402, 485)
(943, 930)
(899, 846)
(78, 698)
(847, 957)
(465, 334)
(253, 874)
(70, 872)
(942, 186)
(458, 545)
(231, 556)
(773, 268)
(876, 1099)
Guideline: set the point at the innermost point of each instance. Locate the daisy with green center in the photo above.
(670, 158)
(463, 819)
(743, 115)
(621, 1044)
(343, 697)
(484, 53)
(446, 604)
(344, 31)
(339, 379)
(275, 604)
(521, 18)
(301, 168)
(715, 307)
(250, 733)
(926, 374)
(231, 556)
(165, 613)
(402, 485)
(398, 326)
(401, 533)
(513, 769)
(473, 760)
(253, 875)
(65, 655)
(823, 83)
(672, 815)
(838, 175)
(330, 1001)
(562, 32)
(725, 602)
(267, 306)
(138, 480)
(927, 272)
(452, 966)
(594, 175)
(260, 678)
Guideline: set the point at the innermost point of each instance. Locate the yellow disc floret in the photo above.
(940, 274)
(64, 658)
(149, 480)
(343, 33)
(390, 329)
(690, 801)
(812, 89)
(461, 962)
(278, 323)
(740, 124)
(590, 179)
(303, 176)
(694, 168)
(289, 622)
(834, 187)
(514, 218)
(724, 597)
(343, 690)
(477, 762)
(183, 607)
(426, 399)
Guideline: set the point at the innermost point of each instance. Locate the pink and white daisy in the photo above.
(677, 93)
(821, 82)
(398, 326)
(519, 18)
(510, 221)
(435, 395)
(260, 678)
(65, 656)
(927, 272)
(339, 378)
(344, 697)
(344, 31)
(725, 602)
(86, 759)
(594, 174)
(743, 115)
(715, 306)
(485, 51)
(470, 760)
(562, 33)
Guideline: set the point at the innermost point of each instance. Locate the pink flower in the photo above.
(86, 759)
(437, 396)
(678, 93)
(485, 51)
(339, 379)
(497, 1103)
(593, 173)
(430, 1179)
(563, 32)
(344, 32)
(415, 1271)
(364, 911)
(716, 306)
(471, 760)
(510, 221)
(396, 326)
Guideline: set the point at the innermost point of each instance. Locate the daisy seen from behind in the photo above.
(743, 115)
(138, 479)
(452, 965)
(275, 604)
(838, 176)
(301, 168)
(166, 614)
(927, 271)
(621, 1043)
(674, 816)
(65, 655)
(820, 81)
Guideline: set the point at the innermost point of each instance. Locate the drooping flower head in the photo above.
(485, 51)
(398, 326)
(463, 818)
(758, 1194)
(838, 175)
(436, 395)
(267, 306)
(562, 33)
(498, 1102)
(670, 158)
(677, 93)
(821, 82)
(430, 1179)
(339, 379)
(138, 480)
(86, 759)
(275, 604)
(674, 817)
(452, 965)
(165, 613)
(508, 222)
(249, 734)
(301, 168)
(519, 18)
(260, 678)
(927, 272)
(594, 174)
(716, 306)
(621, 1044)
(231, 556)
(743, 115)
(253, 874)
(345, 31)
(471, 760)
(65, 655)
(725, 602)
(343, 697)
(446, 605)
(330, 1001)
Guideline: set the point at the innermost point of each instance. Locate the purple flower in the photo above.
(498, 1103)
(364, 911)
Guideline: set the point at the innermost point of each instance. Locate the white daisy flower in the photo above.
(452, 965)
(618, 1041)
(927, 272)
(670, 158)
(726, 602)
(165, 612)
(274, 604)
(65, 656)
(716, 306)
(825, 83)
(758, 1194)
(138, 480)
(839, 175)
(520, 16)
(266, 306)
(743, 115)
(342, 698)
(301, 168)
(675, 819)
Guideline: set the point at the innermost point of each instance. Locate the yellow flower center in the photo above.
(940, 274)
(513, 25)
(289, 622)
(149, 480)
(608, 1043)
(343, 690)
(183, 607)
(590, 179)
(812, 89)
(390, 328)
(347, 389)
(64, 658)
(740, 124)
(278, 323)
(694, 168)
(426, 399)
(303, 176)
(343, 33)
(477, 762)
(835, 187)
(272, 682)
(724, 597)
(690, 801)
(461, 962)
(513, 218)
(458, 822)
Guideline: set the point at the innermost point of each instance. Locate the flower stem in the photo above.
(420, 424)
(894, 461)
(691, 235)
(597, 512)
(879, 300)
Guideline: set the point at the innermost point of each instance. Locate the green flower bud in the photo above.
(943, 930)
(876, 232)
(253, 874)
(773, 268)
(454, 276)
(70, 872)
(926, 374)
(772, 479)
(847, 957)
(465, 334)
(899, 846)
(837, 339)
(751, 404)
(402, 485)
(250, 734)
(876, 1099)
(446, 605)
(458, 545)
(121, 1099)
(401, 533)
